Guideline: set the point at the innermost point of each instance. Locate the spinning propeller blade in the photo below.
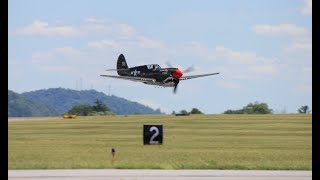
(169, 64)
(176, 82)
(189, 69)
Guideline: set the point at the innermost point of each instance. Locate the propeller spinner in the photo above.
(177, 74)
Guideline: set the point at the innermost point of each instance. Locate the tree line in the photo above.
(252, 108)
(87, 110)
(193, 111)
(262, 108)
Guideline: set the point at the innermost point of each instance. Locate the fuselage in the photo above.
(163, 76)
(152, 74)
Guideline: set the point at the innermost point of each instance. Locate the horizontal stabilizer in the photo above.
(117, 69)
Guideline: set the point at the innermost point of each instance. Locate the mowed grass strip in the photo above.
(277, 142)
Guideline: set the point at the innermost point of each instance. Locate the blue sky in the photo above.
(262, 49)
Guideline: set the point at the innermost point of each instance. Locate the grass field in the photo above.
(190, 142)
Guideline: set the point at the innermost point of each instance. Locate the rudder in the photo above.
(121, 64)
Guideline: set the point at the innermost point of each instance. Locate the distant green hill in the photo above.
(19, 106)
(58, 101)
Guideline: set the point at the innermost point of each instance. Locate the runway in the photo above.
(132, 174)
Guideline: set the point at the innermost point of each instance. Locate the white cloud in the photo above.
(68, 51)
(197, 49)
(249, 65)
(237, 56)
(126, 30)
(96, 28)
(109, 28)
(42, 56)
(219, 54)
(303, 46)
(281, 29)
(123, 38)
(145, 42)
(92, 25)
(93, 20)
(264, 69)
(307, 8)
(43, 28)
(133, 43)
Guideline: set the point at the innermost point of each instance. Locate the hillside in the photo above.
(60, 100)
(19, 106)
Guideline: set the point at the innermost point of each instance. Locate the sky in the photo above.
(262, 50)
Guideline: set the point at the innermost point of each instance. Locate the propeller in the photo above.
(189, 69)
(169, 64)
(176, 74)
(176, 82)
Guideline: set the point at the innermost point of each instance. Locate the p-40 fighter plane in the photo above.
(152, 74)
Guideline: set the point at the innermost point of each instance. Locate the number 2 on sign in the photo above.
(153, 128)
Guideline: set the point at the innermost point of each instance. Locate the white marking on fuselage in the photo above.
(135, 72)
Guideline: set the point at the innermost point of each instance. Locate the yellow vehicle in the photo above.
(67, 116)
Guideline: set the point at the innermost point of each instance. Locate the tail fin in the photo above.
(121, 64)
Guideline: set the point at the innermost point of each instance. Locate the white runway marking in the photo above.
(132, 174)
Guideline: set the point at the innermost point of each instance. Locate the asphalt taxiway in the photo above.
(146, 174)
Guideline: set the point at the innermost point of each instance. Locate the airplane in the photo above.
(152, 74)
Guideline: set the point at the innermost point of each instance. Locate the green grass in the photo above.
(190, 142)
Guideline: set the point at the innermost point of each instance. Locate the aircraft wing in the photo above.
(138, 79)
(196, 76)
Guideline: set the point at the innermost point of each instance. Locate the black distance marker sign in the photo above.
(152, 134)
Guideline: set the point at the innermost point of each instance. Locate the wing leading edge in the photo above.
(196, 76)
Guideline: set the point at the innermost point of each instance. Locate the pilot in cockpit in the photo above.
(156, 67)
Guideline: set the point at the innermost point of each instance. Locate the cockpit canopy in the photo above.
(153, 66)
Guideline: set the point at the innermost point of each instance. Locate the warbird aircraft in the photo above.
(152, 74)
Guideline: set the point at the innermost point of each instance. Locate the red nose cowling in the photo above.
(177, 74)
